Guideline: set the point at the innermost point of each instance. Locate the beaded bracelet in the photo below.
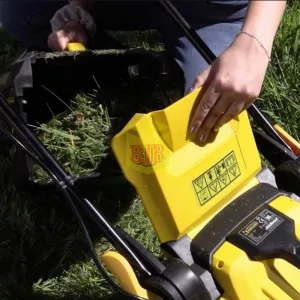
(252, 36)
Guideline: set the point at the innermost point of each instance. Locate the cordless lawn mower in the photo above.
(229, 226)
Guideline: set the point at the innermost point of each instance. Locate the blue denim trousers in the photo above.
(216, 21)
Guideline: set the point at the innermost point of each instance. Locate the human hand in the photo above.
(229, 85)
(72, 23)
(73, 31)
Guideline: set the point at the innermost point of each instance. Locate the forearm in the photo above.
(263, 19)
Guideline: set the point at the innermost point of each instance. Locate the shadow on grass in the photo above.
(39, 237)
(84, 297)
(43, 254)
(9, 49)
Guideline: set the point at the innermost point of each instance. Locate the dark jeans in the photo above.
(216, 21)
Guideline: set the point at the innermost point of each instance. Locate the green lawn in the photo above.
(42, 250)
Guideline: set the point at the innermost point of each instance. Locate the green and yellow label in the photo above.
(217, 178)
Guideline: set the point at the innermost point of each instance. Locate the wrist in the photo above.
(255, 21)
(265, 40)
(254, 38)
(251, 46)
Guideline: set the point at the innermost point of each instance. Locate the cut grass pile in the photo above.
(78, 137)
(42, 252)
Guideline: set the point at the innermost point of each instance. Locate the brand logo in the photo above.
(147, 155)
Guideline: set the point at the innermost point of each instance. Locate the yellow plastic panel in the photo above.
(75, 47)
(295, 145)
(288, 273)
(182, 183)
(125, 275)
(290, 208)
(243, 279)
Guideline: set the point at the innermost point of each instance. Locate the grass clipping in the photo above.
(78, 138)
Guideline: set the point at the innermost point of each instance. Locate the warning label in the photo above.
(217, 178)
(261, 226)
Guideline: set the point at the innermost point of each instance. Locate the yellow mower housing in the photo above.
(217, 198)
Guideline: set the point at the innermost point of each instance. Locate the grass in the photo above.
(279, 99)
(78, 137)
(8, 49)
(48, 258)
(149, 40)
(42, 250)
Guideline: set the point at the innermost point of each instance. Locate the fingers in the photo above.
(207, 102)
(248, 104)
(216, 113)
(231, 85)
(209, 96)
(234, 109)
(214, 102)
(57, 41)
(222, 100)
(72, 32)
(242, 101)
(228, 107)
(201, 79)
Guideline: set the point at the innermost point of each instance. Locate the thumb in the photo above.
(57, 41)
(201, 79)
(71, 32)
